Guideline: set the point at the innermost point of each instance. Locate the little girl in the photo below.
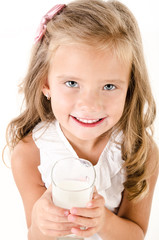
(87, 95)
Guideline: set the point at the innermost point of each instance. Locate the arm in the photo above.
(45, 221)
(130, 223)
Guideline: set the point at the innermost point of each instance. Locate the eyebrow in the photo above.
(71, 77)
(68, 77)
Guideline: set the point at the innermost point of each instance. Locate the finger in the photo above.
(83, 233)
(50, 188)
(49, 207)
(48, 192)
(57, 226)
(55, 210)
(97, 201)
(96, 195)
(56, 218)
(53, 233)
(83, 221)
(87, 212)
(95, 190)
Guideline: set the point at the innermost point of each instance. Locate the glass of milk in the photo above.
(72, 182)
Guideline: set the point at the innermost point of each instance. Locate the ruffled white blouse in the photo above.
(53, 146)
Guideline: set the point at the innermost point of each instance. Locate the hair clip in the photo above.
(45, 19)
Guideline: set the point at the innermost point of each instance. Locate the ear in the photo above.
(46, 90)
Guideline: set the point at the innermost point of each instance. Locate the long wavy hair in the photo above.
(102, 25)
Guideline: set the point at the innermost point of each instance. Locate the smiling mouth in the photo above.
(88, 122)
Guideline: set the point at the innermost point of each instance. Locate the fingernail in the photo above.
(89, 204)
(73, 230)
(73, 211)
(66, 213)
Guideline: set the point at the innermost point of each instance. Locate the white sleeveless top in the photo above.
(53, 146)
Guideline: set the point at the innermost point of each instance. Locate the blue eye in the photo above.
(109, 87)
(71, 84)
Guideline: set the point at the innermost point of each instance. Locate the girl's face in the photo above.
(88, 90)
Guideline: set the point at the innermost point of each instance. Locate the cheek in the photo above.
(117, 105)
(61, 102)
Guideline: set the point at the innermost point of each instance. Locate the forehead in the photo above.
(81, 59)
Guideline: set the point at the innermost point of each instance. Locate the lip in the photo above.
(93, 124)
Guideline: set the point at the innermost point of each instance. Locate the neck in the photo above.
(88, 149)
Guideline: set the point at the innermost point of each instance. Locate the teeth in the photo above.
(87, 121)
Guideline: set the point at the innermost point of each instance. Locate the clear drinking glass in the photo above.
(72, 183)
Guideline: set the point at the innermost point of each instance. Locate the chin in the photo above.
(86, 137)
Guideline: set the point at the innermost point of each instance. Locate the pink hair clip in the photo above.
(46, 18)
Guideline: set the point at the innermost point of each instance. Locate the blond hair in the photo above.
(102, 25)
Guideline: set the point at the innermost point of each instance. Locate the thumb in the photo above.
(48, 193)
(49, 188)
(95, 190)
(95, 193)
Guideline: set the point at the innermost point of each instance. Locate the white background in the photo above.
(18, 24)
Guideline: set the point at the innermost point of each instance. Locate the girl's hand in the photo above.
(91, 219)
(49, 219)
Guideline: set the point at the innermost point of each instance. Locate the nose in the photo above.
(90, 101)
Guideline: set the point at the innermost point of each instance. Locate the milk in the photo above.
(71, 193)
